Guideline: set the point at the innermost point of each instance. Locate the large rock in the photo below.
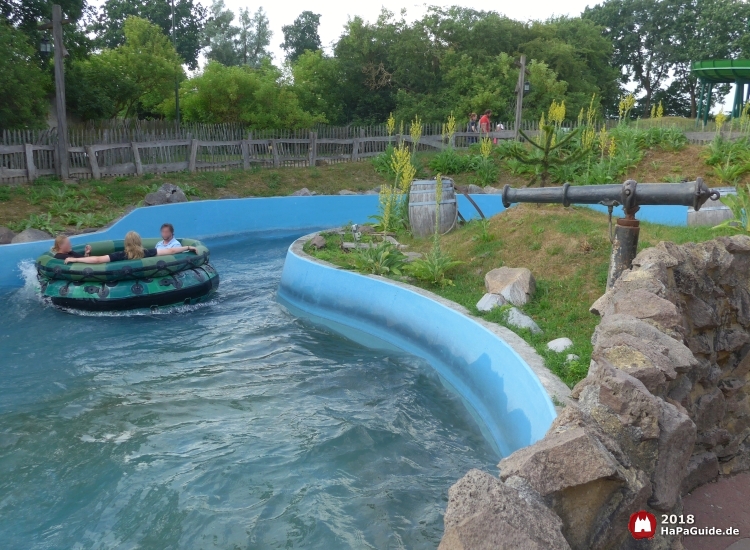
(489, 190)
(484, 513)
(318, 242)
(709, 410)
(701, 469)
(30, 235)
(519, 319)
(488, 302)
(6, 235)
(647, 306)
(304, 192)
(516, 285)
(474, 190)
(347, 192)
(166, 194)
(559, 344)
(675, 445)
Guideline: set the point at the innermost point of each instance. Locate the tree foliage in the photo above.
(241, 94)
(302, 35)
(129, 80)
(243, 44)
(189, 21)
(23, 84)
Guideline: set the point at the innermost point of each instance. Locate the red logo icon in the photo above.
(642, 525)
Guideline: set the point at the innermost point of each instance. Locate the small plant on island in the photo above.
(739, 204)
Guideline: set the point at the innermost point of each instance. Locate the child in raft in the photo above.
(133, 251)
(62, 249)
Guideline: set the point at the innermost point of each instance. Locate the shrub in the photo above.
(384, 259)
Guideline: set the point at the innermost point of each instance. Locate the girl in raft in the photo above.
(133, 251)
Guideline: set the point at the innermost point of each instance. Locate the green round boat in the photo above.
(175, 279)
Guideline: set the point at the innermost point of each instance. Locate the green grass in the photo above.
(569, 263)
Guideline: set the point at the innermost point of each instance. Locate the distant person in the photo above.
(498, 128)
(472, 127)
(63, 249)
(485, 126)
(133, 251)
(167, 237)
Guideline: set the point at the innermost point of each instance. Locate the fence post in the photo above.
(137, 159)
(355, 149)
(312, 152)
(95, 172)
(275, 151)
(193, 155)
(245, 154)
(30, 168)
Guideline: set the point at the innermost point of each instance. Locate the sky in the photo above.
(335, 13)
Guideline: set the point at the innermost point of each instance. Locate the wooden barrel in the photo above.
(422, 207)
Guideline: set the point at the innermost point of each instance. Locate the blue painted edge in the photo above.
(217, 218)
(496, 384)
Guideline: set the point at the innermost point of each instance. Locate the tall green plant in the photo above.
(552, 151)
(739, 204)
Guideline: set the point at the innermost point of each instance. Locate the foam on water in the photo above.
(232, 424)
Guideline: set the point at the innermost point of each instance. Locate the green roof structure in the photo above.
(722, 71)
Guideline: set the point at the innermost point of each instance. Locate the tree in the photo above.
(317, 81)
(641, 32)
(220, 36)
(302, 35)
(254, 38)
(23, 84)
(129, 80)
(190, 18)
(241, 94)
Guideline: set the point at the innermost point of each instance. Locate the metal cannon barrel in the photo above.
(629, 194)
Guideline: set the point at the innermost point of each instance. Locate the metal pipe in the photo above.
(694, 194)
(624, 249)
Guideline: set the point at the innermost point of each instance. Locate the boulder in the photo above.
(304, 192)
(488, 302)
(484, 513)
(559, 344)
(346, 192)
(6, 235)
(318, 242)
(520, 320)
(709, 410)
(411, 256)
(647, 306)
(366, 229)
(474, 190)
(30, 235)
(571, 357)
(675, 445)
(489, 190)
(701, 469)
(166, 194)
(516, 285)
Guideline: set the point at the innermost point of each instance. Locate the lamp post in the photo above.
(63, 162)
(176, 82)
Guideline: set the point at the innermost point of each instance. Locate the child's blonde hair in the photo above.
(59, 240)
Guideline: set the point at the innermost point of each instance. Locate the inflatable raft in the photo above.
(185, 278)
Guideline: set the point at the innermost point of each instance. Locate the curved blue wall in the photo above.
(204, 219)
(499, 387)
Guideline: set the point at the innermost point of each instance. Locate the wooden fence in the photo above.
(160, 148)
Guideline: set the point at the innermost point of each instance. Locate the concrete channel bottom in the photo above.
(725, 503)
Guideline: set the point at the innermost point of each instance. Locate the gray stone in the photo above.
(168, 193)
(474, 190)
(709, 410)
(485, 514)
(647, 306)
(675, 445)
(318, 242)
(30, 235)
(520, 320)
(488, 302)
(559, 344)
(304, 192)
(366, 229)
(346, 192)
(6, 235)
(701, 469)
(411, 256)
(571, 357)
(516, 285)
(371, 192)
(489, 190)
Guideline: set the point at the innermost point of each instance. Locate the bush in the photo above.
(384, 259)
(448, 161)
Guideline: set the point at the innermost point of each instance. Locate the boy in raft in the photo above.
(62, 249)
(167, 237)
(133, 251)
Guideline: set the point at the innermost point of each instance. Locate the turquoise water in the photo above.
(233, 425)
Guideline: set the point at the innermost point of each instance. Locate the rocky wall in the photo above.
(665, 408)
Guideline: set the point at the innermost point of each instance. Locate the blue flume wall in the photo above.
(499, 387)
(203, 219)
